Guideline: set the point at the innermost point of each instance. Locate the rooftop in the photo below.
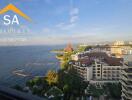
(68, 48)
(88, 58)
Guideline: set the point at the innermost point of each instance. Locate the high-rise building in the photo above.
(126, 79)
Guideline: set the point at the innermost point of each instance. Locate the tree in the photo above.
(66, 88)
(114, 90)
(37, 81)
(30, 83)
(52, 77)
(95, 91)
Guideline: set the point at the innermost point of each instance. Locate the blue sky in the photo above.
(76, 21)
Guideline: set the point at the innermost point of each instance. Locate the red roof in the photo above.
(86, 61)
(89, 57)
(68, 48)
(113, 61)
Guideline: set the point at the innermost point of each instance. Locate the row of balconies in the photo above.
(125, 97)
(123, 77)
(126, 83)
(127, 75)
(127, 89)
(107, 78)
(84, 70)
(110, 75)
(127, 93)
(82, 73)
(128, 70)
(111, 69)
(111, 72)
(79, 67)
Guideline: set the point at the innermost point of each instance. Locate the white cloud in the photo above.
(74, 15)
(46, 30)
(65, 26)
(60, 25)
(69, 26)
(74, 11)
(73, 19)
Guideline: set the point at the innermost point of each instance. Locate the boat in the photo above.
(21, 73)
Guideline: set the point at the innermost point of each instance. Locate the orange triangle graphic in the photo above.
(11, 7)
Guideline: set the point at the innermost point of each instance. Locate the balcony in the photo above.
(11, 94)
(125, 97)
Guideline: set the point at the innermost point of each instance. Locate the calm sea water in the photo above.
(35, 60)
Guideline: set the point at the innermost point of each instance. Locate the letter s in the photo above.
(7, 20)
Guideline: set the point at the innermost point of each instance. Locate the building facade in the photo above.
(126, 79)
(98, 67)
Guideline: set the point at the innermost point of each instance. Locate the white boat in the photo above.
(21, 73)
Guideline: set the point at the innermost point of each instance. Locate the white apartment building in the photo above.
(104, 71)
(99, 68)
(84, 72)
(126, 81)
(126, 78)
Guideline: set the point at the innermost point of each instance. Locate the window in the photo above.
(98, 74)
(98, 68)
(104, 72)
(98, 71)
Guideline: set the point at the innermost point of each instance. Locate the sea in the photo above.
(34, 60)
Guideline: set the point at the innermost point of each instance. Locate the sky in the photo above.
(75, 21)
